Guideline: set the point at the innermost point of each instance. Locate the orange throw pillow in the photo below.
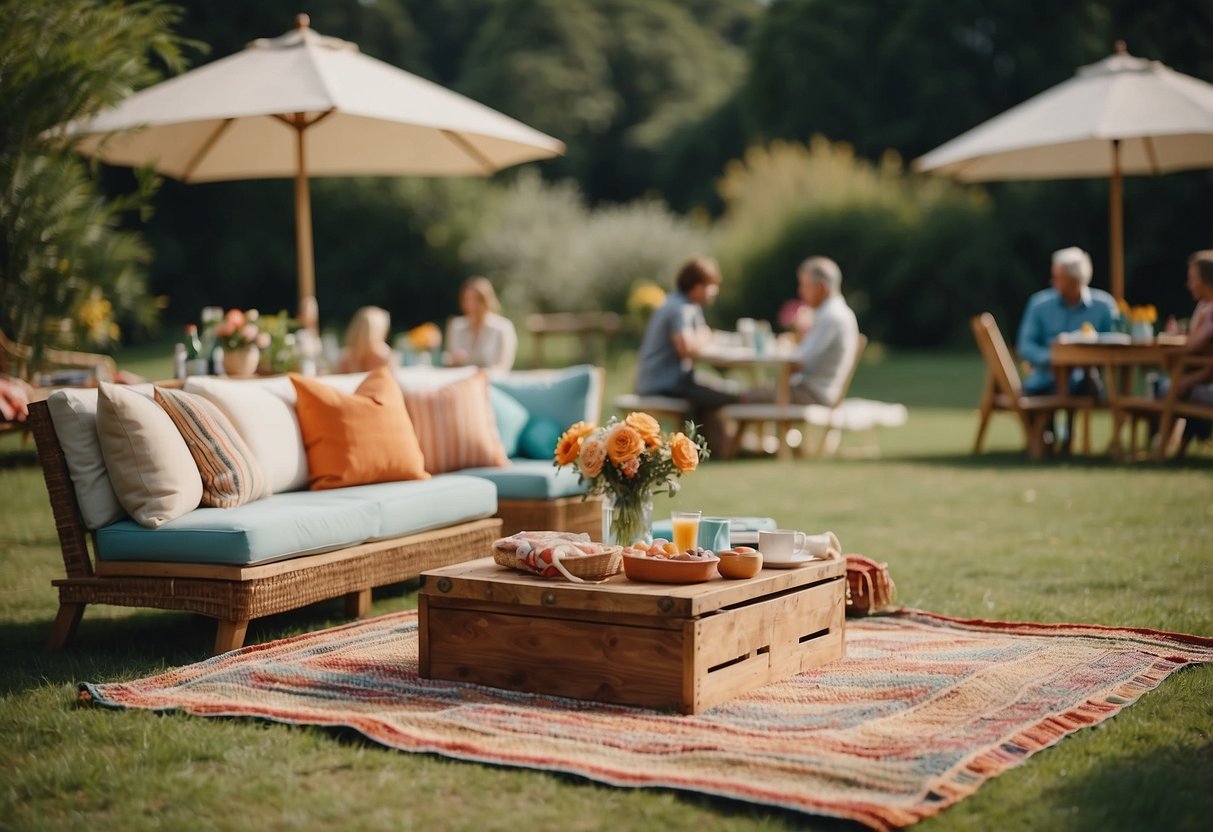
(357, 439)
(455, 426)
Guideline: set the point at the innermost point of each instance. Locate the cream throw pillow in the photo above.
(149, 465)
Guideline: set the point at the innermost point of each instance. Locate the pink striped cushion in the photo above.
(230, 473)
(455, 426)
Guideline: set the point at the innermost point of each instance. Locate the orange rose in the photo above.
(593, 454)
(581, 429)
(568, 448)
(623, 443)
(684, 452)
(646, 426)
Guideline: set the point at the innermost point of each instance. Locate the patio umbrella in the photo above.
(303, 105)
(1122, 115)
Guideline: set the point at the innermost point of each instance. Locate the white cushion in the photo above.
(74, 414)
(263, 412)
(149, 464)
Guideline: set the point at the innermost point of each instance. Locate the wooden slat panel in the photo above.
(583, 660)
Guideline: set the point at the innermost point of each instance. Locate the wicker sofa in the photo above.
(222, 563)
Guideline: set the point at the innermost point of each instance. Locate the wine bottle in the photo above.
(195, 363)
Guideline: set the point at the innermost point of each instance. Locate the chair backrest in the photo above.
(861, 343)
(999, 364)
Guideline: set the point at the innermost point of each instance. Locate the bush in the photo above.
(546, 252)
(919, 255)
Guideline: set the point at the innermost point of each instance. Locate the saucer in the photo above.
(791, 563)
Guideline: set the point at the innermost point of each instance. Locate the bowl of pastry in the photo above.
(661, 563)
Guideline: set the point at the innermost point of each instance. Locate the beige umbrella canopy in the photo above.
(1122, 115)
(303, 105)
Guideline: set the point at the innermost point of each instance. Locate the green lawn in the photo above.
(995, 537)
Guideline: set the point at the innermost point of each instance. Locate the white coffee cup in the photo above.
(782, 544)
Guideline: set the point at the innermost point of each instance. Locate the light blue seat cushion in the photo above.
(420, 505)
(301, 522)
(530, 479)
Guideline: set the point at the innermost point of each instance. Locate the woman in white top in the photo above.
(481, 336)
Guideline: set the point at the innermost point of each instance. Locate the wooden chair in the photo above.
(1163, 412)
(1003, 392)
(15, 359)
(831, 418)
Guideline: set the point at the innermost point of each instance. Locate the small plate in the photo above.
(795, 561)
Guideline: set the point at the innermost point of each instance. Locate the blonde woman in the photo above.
(481, 337)
(366, 341)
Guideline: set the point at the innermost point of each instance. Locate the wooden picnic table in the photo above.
(1118, 362)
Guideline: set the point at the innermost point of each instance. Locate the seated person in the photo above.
(1197, 385)
(827, 349)
(675, 334)
(481, 337)
(1065, 307)
(366, 341)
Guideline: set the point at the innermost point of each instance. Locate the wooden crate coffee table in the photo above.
(685, 647)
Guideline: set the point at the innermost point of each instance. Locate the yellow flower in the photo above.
(683, 452)
(623, 443)
(593, 455)
(646, 426)
(645, 298)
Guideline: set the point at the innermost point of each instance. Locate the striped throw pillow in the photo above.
(231, 475)
(455, 426)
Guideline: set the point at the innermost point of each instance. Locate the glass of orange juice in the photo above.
(686, 529)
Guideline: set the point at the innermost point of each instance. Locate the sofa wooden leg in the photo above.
(230, 635)
(358, 604)
(65, 625)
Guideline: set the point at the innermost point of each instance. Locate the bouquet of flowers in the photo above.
(239, 329)
(628, 461)
(424, 337)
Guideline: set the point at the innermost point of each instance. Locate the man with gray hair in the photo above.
(828, 349)
(1066, 306)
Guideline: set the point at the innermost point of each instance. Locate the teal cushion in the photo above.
(302, 522)
(539, 438)
(564, 396)
(530, 479)
(418, 505)
(511, 417)
(281, 526)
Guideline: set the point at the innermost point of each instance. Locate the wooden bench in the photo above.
(593, 329)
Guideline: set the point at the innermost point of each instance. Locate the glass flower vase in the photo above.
(627, 518)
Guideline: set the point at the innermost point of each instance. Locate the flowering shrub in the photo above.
(240, 329)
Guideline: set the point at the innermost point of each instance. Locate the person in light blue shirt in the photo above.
(1069, 303)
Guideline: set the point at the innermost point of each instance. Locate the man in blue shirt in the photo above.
(1065, 307)
(675, 335)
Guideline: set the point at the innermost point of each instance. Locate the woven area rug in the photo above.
(920, 713)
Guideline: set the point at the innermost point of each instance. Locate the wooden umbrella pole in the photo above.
(1116, 224)
(303, 218)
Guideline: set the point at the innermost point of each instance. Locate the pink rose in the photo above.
(630, 467)
(593, 455)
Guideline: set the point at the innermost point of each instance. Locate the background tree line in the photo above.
(659, 102)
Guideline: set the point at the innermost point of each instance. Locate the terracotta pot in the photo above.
(241, 362)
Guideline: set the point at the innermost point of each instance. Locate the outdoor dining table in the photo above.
(1118, 361)
(779, 356)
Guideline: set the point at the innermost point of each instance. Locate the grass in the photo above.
(992, 537)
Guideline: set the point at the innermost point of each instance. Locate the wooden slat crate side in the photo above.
(583, 660)
(745, 648)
